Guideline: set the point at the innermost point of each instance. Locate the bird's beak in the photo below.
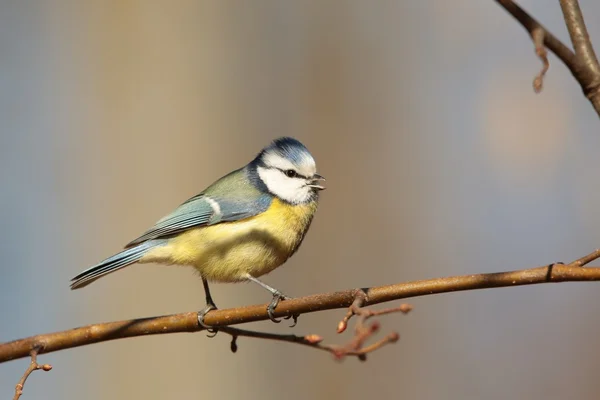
(314, 182)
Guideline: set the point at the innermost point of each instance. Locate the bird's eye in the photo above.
(290, 173)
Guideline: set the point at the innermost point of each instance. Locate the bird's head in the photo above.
(288, 171)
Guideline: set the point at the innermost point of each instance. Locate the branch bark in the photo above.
(188, 322)
(579, 35)
(582, 63)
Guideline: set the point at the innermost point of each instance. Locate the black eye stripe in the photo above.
(297, 175)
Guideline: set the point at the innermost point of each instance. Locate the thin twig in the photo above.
(582, 63)
(188, 322)
(531, 24)
(353, 348)
(364, 331)
(537, 35)
(580, 262)
(403, 308)
(33, 366)
(360, 298)
(307, 340)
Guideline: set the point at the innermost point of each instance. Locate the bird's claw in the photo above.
(277, 297)
(201, 314)
(295, 318)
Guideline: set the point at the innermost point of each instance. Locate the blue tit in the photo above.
(241, 227)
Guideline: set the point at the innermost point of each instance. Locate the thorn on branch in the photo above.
(33, 366)
(537, 35)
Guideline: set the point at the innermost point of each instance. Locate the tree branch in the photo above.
(550, 41)
(582, 63)
(33, 366)
(354, 347)
(188, 322)
(579, 35)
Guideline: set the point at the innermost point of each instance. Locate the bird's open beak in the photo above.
(314, 183)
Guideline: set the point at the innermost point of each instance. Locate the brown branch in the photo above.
(188, 322)
(582, 63)
(579, 35)
(355, 347)
(33, 366)
(531, 25)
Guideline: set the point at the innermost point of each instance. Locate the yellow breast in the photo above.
(227, 251)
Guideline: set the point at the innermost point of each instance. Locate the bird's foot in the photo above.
(277, 297)
(201, 314)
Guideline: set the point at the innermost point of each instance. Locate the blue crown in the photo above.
(288, 148)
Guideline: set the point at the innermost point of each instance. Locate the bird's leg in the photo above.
(210, 305)
(277, 297)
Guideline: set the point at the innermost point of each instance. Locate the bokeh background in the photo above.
(440, 161)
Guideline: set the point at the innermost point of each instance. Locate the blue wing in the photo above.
(231, 198)
(203, 210)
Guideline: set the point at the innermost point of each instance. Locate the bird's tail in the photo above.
(114, 263)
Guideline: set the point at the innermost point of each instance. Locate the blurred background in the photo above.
(439, 157)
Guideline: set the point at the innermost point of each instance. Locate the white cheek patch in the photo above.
(293, 190)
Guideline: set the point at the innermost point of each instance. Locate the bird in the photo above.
(241, 227)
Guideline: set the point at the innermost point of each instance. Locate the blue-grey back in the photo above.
(233, 197)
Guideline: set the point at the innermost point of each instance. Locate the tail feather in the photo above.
(114, 263)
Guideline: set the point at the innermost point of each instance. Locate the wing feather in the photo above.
(232, 198)
(198, 211)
